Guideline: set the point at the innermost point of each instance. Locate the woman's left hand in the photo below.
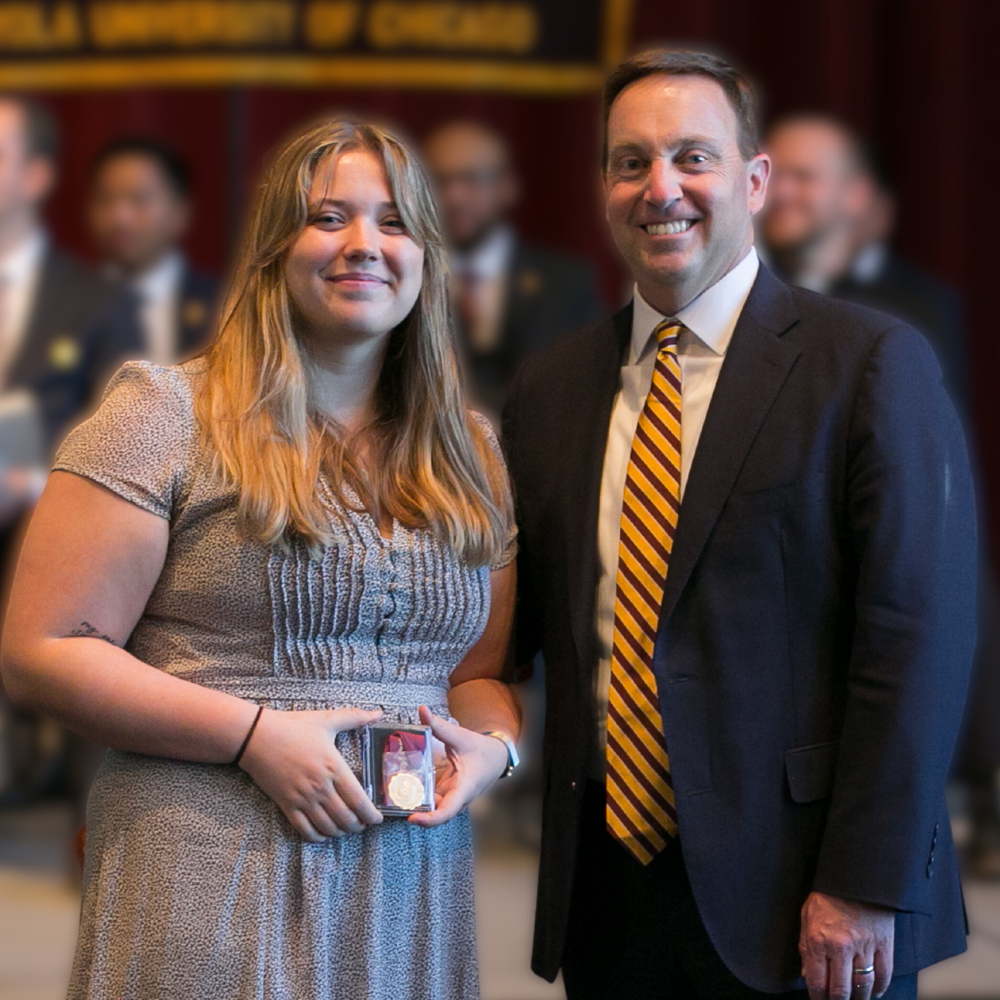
(473, 762)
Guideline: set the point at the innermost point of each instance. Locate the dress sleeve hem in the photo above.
(509, 555)
(126, 491)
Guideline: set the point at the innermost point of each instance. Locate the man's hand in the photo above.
(840, 936)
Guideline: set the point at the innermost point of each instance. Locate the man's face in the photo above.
(135, 214)
(25, 180)
(814, 188)
(679, 194)
(473, 182)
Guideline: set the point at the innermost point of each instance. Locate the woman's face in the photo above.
(354, 272)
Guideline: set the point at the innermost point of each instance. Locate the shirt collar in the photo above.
(869, 263)
(161, 279)
(24, 259)
(489, 258)
(711, 317)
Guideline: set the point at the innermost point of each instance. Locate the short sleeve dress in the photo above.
(195, 885)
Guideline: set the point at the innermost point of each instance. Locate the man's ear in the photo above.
(39, 179)
(860, 195)
(510, 189)
(758, 173)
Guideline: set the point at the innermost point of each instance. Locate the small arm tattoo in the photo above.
(87, 631)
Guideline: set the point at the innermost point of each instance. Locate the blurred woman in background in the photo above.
(245, 558)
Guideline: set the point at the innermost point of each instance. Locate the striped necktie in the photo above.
(640, 796)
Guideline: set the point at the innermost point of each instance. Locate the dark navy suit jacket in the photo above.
(198, 311)
(81, 328)
(548, 295)
(816, 631)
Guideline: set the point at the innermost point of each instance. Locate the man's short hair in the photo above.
(864, 154)
(41, 133)
(174, 169)
(680, 62)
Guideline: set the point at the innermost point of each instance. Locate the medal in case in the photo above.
(399, 768)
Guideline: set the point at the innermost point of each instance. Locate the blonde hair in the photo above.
(430, 464)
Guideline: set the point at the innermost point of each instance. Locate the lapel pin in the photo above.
(64, 353)
(195, 312)
(529, 282)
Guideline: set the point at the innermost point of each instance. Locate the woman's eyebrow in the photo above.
(385, 206)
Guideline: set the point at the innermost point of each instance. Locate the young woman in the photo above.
(306, 519)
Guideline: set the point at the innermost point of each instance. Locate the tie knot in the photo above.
(666, 334)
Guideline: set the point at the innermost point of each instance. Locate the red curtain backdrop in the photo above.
(914, 75)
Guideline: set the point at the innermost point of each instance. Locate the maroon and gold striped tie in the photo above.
(640, 797)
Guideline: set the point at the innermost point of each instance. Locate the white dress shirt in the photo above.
(488, 259)
(159, 292)
(19, 271)
(709, 322)
(479, 279)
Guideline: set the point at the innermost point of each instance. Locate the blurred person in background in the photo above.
(139, 213)
(828, 226)
(509, 298)
(63, 331)
(747, 550)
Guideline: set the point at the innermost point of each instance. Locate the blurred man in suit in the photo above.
(510, 298)
(827, 227)
(828, 224)
(140, 211)
(63, 331)
(748, 553)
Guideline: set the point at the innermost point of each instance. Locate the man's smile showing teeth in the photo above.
(669, 228)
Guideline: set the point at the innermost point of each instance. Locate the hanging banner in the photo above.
(545, 46)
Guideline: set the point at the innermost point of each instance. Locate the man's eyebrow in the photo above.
(626, 147)
(685, 142)
(697, 140)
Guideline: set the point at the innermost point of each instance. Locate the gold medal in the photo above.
(406, 791)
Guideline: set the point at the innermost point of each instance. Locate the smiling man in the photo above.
(748, 556)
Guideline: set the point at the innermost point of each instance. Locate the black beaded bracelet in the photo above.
(246, 742)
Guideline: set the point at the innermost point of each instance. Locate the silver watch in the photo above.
(512, 759)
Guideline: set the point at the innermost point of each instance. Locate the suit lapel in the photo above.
(756, 365)
(518, 318)
(582, 447)
(194, 311)
(511, 300)
(44, 317)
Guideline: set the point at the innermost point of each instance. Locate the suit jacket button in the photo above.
(572, 785)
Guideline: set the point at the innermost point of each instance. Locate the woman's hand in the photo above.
(473, 762)
(292, 758)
